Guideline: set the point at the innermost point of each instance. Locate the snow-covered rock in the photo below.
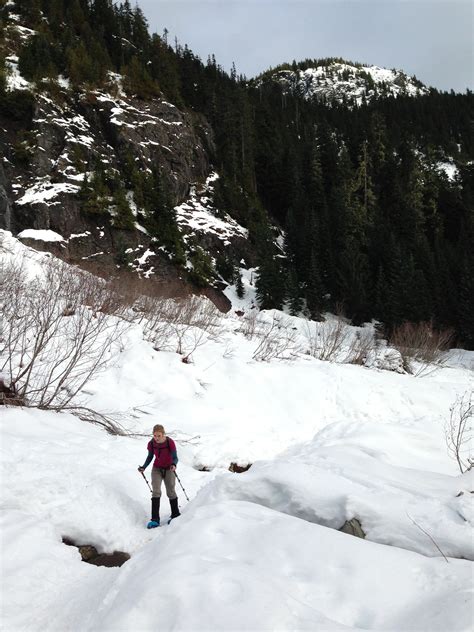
(334, 81)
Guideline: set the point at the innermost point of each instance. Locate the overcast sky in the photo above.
(431, 39)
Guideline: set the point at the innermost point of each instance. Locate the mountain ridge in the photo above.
(111, 142)
(335, 80)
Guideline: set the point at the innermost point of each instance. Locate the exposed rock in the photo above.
(215, 231)
(68, 136)
(5, 201)
(239, 469)
(353, 527)
(221, 301)
(88, 552)
(338, 81)
(90, 555)
(8, 395)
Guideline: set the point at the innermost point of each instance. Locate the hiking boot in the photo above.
(174, 508)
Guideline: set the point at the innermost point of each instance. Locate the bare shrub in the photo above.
(182, 325)
(135, 297)
(56, 332)
(422, 347)
(278, 340)
(127, 286)
(360, 347)
(458, 431)
(327, 340)
(143, 308)
(250, 326)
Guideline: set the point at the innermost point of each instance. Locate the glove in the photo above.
(141, 469)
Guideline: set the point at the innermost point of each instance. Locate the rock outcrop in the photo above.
(68, 137)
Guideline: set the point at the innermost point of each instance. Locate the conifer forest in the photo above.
(372, 227)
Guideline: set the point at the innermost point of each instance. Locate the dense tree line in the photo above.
(371, 220)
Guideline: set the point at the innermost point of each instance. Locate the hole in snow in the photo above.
(90, 554)
(238, 469)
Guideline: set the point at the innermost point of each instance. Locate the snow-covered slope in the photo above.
(345, 82)
(254, 551)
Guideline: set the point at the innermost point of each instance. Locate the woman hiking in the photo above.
(163, 448)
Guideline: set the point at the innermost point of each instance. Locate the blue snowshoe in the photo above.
(155, 514)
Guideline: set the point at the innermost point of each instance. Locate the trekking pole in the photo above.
(146, 480)
(181, 486)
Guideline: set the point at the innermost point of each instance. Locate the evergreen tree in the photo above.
(381, 311)
(36, 60)
(354, 283)
(226, 268)
(122, 257)
(271, 283)
(3, 77)
(314, 292)
(406, 195)
(239, 286)
(30, 10)
(202, 270)
(294, 293)
(466, 303)
(326, 249)
(164, 69)
(84, 66)
(140, 36)
(95, 195)
(123, 216)
(360, 212)
(160, 216)
(377, 147)
(138, 81)
(446, 295)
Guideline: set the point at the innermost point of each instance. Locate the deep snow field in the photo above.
(255, 551)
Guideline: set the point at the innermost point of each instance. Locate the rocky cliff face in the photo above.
(77, 163)
(5, 200)
(70, 134)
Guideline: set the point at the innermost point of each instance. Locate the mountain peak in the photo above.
(335, 80)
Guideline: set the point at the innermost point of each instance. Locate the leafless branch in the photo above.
(278, 340)
(361, 345)
(182, 325)
(427, 534)
(326, 340)
(458, 431)
(57, 331)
